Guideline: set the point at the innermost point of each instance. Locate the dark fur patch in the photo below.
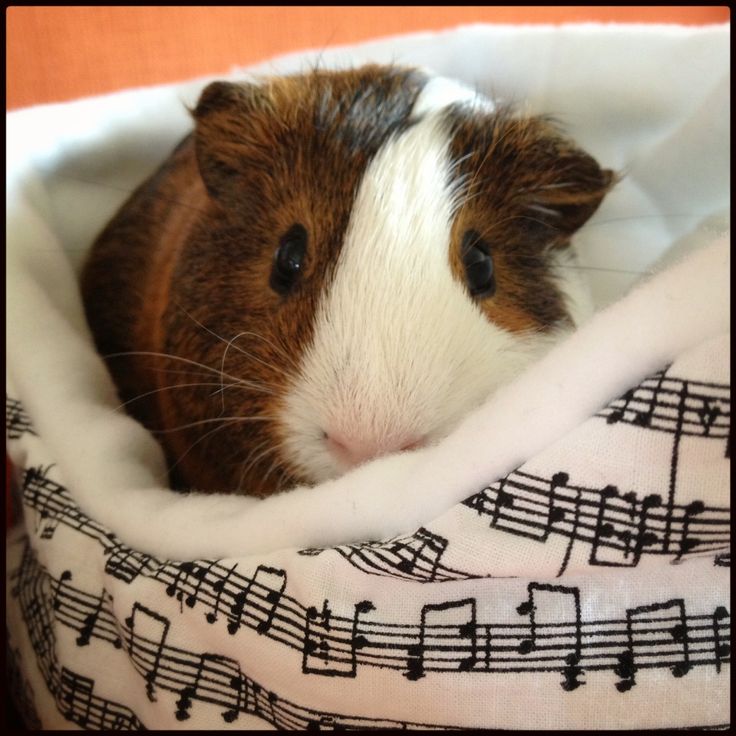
(527, 190)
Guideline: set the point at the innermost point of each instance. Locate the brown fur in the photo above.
(184, 266)
(512, 164)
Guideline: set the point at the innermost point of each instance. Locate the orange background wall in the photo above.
(59, 53)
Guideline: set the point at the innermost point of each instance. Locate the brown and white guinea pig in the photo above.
(334, 266)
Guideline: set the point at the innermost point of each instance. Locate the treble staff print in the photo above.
(549, 636)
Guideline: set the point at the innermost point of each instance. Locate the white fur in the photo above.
(400, 350)
(439, 92)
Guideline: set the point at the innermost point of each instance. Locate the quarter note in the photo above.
(721, 650)
(708, 415)
(360, 641)
(219, 588)
(504, 500)
(65, 577)
(555, 513)
(688, 543)
(90, 621)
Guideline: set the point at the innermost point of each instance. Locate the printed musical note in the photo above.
(214, 673)
(416, 557)
(413, 559)
(504, 500)
(533, 510)
(574, 527)
(617, 413)
(554, 513)
(330, 647)
(65, 577)
(635, 536)
(146, 630)
(683, 394)
(273, 699)
(604, 529)
(359, 641)
(239, 686)
(722, 560)
(219, 587)
(709, 413)
(436, 644)
(184, 703)
(90, 621)
(317, 653)
(175, 588)
(705, 413)
(643, 417)
(266, 587)
(200, 575)
(644, 535)
(687, 543)
(639, 621)
(639, 402)
(721, 649)
(76, 692)
(554, 624)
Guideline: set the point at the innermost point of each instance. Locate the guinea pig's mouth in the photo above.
(348, 422)
(351, 450)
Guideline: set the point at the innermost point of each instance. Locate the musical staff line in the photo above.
(625, 524)
(202, 677)
(668, 404)
(73, 693)
(258, 601)
(17, 422)
(448, 638)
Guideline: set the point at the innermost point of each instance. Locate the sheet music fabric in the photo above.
(588, 588)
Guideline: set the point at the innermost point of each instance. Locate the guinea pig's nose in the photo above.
(357, 450)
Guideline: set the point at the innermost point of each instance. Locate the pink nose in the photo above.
(355, 450)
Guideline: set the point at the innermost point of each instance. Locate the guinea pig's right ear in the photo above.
(221, 118)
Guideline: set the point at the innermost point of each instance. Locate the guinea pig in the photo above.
(333, 266)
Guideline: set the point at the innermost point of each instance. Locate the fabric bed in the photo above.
(560, 561)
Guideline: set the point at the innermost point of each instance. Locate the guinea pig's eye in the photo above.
(288, 260)
(478, 263)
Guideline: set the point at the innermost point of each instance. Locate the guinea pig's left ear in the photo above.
(569, 188)
(223, 118)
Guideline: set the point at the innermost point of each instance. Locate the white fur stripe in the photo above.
(439, 92)
(399, 349)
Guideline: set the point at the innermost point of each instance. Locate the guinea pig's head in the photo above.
(381, 251)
